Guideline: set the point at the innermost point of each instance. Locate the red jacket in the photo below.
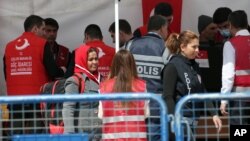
(106, 54)
(25, 72)
(123, 123)
(241, 45)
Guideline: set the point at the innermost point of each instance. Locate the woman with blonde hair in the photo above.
(171, 43)
(181, 77)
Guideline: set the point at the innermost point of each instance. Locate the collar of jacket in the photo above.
(95, 43)
(154, 34)
(185, 59)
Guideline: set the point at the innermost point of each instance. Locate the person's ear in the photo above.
(121, 33)
(86, 37)
(182, 47)
(34, 29)
(230, 26)
(161, 31)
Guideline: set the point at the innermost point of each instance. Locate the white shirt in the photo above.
(228, 67)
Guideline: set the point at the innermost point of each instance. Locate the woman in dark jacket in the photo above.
(181, 77)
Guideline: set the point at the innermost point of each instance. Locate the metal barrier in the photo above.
(87, 98)
(68, 137)
(206, 128)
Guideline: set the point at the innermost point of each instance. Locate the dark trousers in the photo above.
(153, 129)
(25, 119)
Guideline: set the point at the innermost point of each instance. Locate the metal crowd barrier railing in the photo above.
(12, 100)
(205, 124)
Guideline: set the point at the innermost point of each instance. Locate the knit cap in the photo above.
(203, 22)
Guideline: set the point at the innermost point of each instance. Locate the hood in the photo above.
(81, 66)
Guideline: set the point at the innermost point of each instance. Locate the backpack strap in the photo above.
(80, 78)
(53, 105)
(54, 87)
(43, 104)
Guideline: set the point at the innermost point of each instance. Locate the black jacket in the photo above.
(180, 78)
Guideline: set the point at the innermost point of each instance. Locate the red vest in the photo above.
(241, 45)
(123, 123)
(106, 54)
(25, 72)
(62, 57)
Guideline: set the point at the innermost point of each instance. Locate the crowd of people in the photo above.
(152, 59)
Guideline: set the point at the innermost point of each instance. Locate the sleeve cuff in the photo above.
(224, 102)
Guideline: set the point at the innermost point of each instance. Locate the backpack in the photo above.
(52, 112)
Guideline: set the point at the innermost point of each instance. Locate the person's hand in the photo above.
(223, 107)
(217, 122)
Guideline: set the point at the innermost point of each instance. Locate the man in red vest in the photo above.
(236, 68)
(93, 37)
(61, 53)
(163, 9)
(28, 64)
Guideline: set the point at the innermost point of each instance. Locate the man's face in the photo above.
(170, 19)
(224, 29)
(39, 31)
(224, 25)
(210, 31)
(50, 33)
(164, 32)
(112, 34)
(122, 39)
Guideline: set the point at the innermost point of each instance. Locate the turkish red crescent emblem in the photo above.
(22, 44)
(100, 53)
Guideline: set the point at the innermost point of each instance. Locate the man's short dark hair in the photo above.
(93, 31)
(156, 22)
(238, 19)
(124, 26)
(51, 22)
(163, 9)
(221, 15)
(31, 21)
